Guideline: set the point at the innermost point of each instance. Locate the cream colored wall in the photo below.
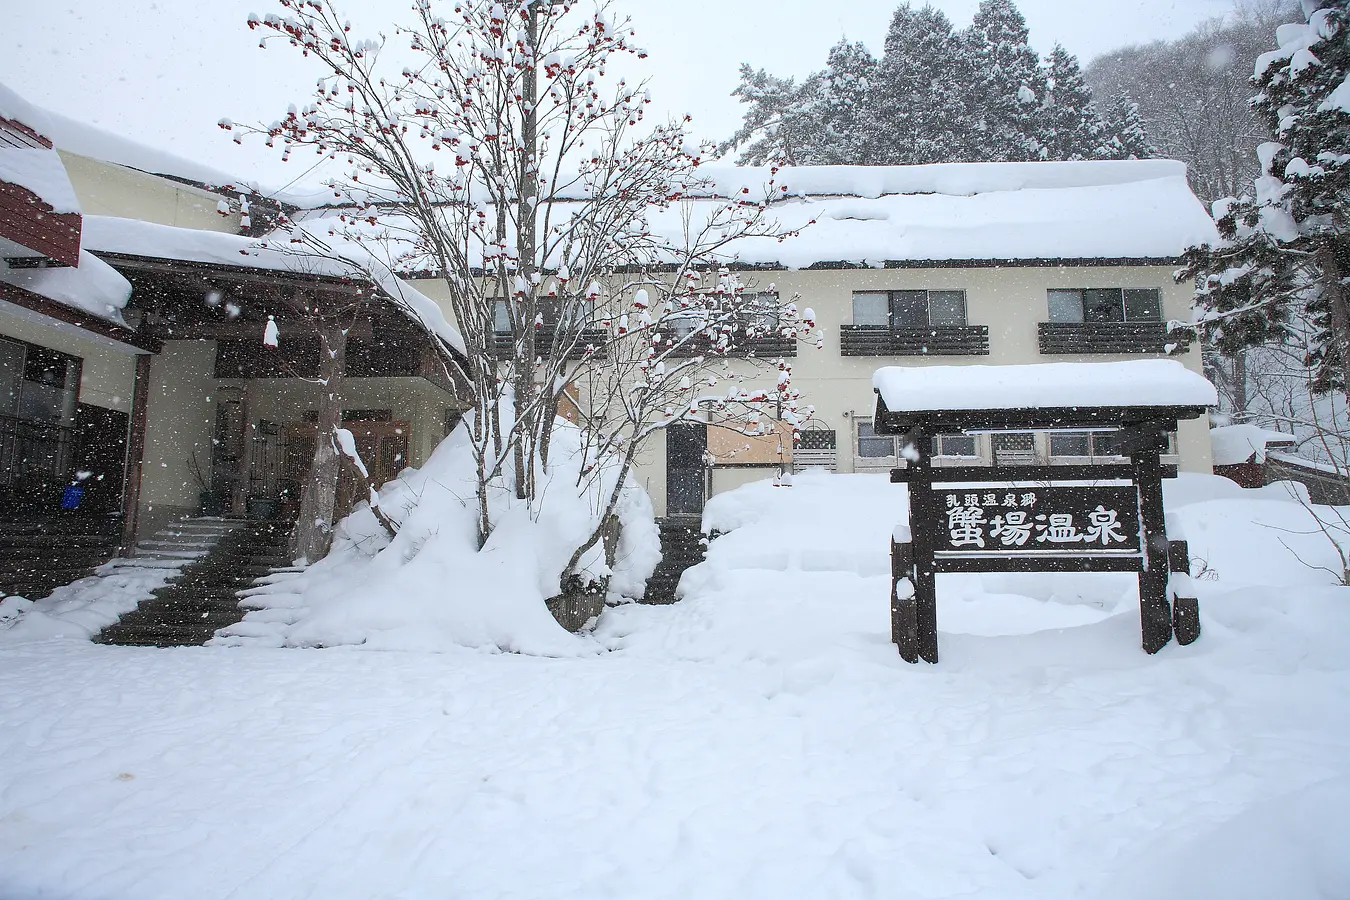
(1011, 300)
(105, 189)
(180, 421)
(107, 377)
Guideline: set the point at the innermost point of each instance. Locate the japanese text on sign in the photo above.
(1081, 519)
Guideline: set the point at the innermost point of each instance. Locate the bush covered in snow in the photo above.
(431, 586)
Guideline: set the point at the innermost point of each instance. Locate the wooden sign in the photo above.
(1019, 519)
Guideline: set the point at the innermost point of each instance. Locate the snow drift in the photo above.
(431, 588)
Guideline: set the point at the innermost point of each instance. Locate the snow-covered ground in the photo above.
(761, 738)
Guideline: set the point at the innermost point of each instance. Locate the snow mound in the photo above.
(1235, 444)
(94, 287)
(430, 588)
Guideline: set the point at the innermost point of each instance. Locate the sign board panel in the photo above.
(1031, 520)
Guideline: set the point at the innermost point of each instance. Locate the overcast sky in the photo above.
(165, 71)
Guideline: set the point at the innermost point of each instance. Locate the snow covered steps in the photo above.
(40, 553)
(205, 596)
(682, 546)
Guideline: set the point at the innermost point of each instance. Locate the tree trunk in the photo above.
(313, 532)
(1339, 311)
(1240, 385)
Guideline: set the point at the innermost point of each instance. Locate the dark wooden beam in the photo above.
(79, 318)
(135, 465)
(289, 330)
(28, 220)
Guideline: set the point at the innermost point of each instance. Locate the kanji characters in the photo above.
(1104, 527)
(1059, 530)
(1011, 528)
(966, 525)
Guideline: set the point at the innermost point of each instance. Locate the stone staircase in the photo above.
(41, 553)
(682, 546)
(222, 560)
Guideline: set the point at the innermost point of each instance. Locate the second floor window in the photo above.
(909, 309)
(583, 310)
(1073, 305)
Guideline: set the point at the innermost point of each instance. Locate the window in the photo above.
(1093, 444)
(501, 317)
(909, 309)
(872, 308)
(872, 446)
(1075, 305)
(1070, 443)
(955, 445)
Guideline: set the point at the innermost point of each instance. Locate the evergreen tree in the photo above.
(1008, 84)
(916, 112)
(1070, 127)
(782, 123)
(842, 103)
(1128, 136)
(1286, 251)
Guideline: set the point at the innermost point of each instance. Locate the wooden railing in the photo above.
(934, 340)
(591, 340)
(1069, 338)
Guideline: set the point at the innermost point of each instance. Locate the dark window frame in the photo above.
(894, 304)
(1095, 306)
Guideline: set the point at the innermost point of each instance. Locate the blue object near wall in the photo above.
(72, 497)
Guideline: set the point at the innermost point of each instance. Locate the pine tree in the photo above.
(1127, 133)
(1286, 251)
(845, 87)
(1070, 127)
(916, 112)
(782, 124)
(1008, 84)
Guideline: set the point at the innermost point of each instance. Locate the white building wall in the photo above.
(1010, 300)
(105, 189)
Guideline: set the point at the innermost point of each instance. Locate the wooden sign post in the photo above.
(1036, 518)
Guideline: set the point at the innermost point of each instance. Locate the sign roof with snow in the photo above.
(1066, 393)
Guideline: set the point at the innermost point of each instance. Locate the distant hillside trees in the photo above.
(937, 94)
(1192, 94)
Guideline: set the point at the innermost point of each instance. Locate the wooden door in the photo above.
(686, 445)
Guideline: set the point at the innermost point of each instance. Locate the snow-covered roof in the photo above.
(879, 215)
(1235, 444)
(1136, 209)
(1163, 383)
(87, 140)
(94, 286)
(132, 237)
(40, 171)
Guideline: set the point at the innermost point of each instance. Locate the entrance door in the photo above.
(382, 446)
(101, 451)
(686, 445)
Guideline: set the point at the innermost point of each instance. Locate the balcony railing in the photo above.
(765, 346)
(591, 340)
(1068, 338)
(933, 340)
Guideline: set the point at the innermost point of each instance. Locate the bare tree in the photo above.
(487, 142)
(1193, 93)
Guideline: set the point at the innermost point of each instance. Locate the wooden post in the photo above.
(135, 464)
(1185, 610)
(904, 621)
(923, 514)
(1155, 610)
(313, 532)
